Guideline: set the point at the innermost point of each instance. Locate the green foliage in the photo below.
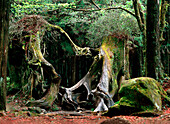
(87, 28)
(110, 23)
(139, 40)
(67, 47)
(22, 8)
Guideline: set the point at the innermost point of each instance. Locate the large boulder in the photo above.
(138, 95)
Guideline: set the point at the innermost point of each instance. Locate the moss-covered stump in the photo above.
(138, 95)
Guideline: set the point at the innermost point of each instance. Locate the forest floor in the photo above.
(16, 115)
(83, 119)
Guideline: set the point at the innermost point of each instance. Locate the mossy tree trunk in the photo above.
(34, 27)
(153, 59)
(47, 68)
(4, 26)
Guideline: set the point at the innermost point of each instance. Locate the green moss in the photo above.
(124, 101)
(142, 89)
(147, 108)
(139, 95)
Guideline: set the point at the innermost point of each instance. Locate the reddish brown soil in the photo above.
(11, 117)
(25, 118)
(53, 120)
(60, 119)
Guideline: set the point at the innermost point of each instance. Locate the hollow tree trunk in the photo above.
(99, 84)
(31, 26)
(102, 91)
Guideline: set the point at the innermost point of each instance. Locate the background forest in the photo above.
(86, 28)
(144, 39)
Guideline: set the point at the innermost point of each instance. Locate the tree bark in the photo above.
(4, 27)
(153, 59)
(135, 56)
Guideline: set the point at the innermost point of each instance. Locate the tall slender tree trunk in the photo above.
(153, 47)
(139, 13)
(163, 12)
(4, 24)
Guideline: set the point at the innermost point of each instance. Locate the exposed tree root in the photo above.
(100, 93)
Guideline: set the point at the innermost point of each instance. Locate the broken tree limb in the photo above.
(92, 1)
(29, 22)
(110, 8)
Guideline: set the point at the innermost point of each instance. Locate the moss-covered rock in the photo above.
(138, 95)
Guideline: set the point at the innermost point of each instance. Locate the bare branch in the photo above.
(123, 10)
(110, 8)
(78, 50)
(92, 1)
